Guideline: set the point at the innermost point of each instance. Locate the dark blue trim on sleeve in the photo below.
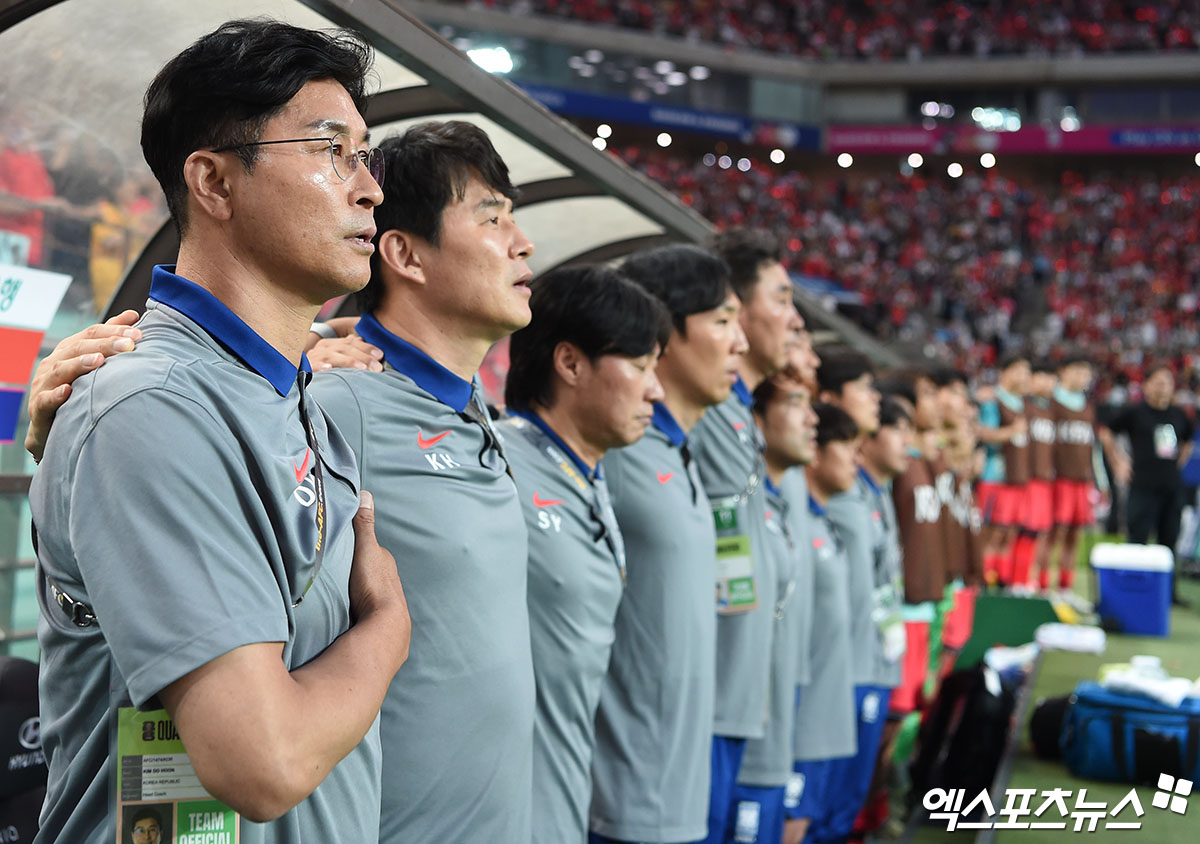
(226, 327)
(425, 372)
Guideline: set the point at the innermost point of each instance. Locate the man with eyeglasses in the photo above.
(195, 549)
(581, 382)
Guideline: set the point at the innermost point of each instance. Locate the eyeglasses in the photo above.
(342, 153)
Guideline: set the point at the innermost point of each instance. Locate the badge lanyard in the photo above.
(310, 436)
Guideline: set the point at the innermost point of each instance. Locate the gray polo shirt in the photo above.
(457, 723)
(654, 724)
(726, 448)
(576, 575)
(862, 537)
(793, 489)
(889, 584)
(826, 720)
(767, 762)
(177, 499)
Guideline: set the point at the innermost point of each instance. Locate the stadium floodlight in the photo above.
(594, 56)
(599, 143)
(744, 164)
(662, 68)
(699, 73)
(915, 160)
(845, 160)
(709, 159)
(954, 170)
(930, 108)
(603, 131)
(1197, 159)
(724, 162)
(587, 71)
(1070, 120)
(945, 110)
(676, 78)
(664, 139)
(575, 62)
(987, 161)
(777, 156)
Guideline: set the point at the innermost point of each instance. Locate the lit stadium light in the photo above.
(603, 131)
(845, 160)
(954, 170)
(915, 160)
(945, 110)
(594, 56)
(929, 109)
(599, 143)
(1070, 120)
(777, 156)
(699, 73)
(587, 71)
(987, 161)
(492, 59)
(709, 159)
(575, 62)
(724, 162)
(743, 164)
(662, 68)
(676, 78)
(660, 88)
(664, 140)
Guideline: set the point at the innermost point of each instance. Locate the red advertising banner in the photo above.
(1088, 140)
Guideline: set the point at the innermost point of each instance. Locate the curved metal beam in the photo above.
(12, 12)
(548, 190)
(163, 248)
(617, 249)
(405, 103)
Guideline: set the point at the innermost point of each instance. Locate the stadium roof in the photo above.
(80, 68)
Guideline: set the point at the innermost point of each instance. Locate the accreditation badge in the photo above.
(157, 787)
(736, 588)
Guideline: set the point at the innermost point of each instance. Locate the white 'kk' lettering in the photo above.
(440, 461)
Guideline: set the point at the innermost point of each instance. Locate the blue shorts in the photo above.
(807, 795)
(757, 816)
(851, 777)
(727, 755)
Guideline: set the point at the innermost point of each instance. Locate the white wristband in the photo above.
(323, 330)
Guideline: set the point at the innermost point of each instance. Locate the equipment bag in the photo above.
(1121, 737)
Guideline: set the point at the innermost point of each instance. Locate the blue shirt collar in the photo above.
(814, 507)
(533, 419)
(870, 482)
(226, 327)
(743, 392)
(771, 488)
(665, 422)
(425, 372)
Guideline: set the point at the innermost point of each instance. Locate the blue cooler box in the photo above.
(1135, 587)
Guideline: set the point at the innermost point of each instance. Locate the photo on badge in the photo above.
(148, 823)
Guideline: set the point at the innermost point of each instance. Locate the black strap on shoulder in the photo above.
(81, 614)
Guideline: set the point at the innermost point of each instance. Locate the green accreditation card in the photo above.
(736, 589)
(157, 787)
(890, 623)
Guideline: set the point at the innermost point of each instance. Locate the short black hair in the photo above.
(892, 413)
(1074, 358)
(1012, 359)
(764, 394)
(891, 385)
(428, 168)
(944, 376)
(745, 251)
(840, 365)
(224, 88)
(1043, 366)
(146, 813)
(593, 307)
(1154, 368)
(834, 424)
(685, 278)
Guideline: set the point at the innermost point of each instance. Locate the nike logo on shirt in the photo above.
(663, 477)
(538, 501)
(302, 469)
(428, 442)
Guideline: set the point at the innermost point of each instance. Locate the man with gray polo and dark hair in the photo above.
(654, 723)
(581, 381)
(195, 548)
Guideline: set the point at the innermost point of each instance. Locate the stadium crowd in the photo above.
(895, 29)
(980, 265)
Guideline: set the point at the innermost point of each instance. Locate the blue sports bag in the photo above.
(1128, 738)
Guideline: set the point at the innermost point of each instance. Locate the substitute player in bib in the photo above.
(1042, 436)
(581, 381)
(237, 492)
(1003, 498)
(654, 722)
(1075, 480)
(449, 279)
(726, 446)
